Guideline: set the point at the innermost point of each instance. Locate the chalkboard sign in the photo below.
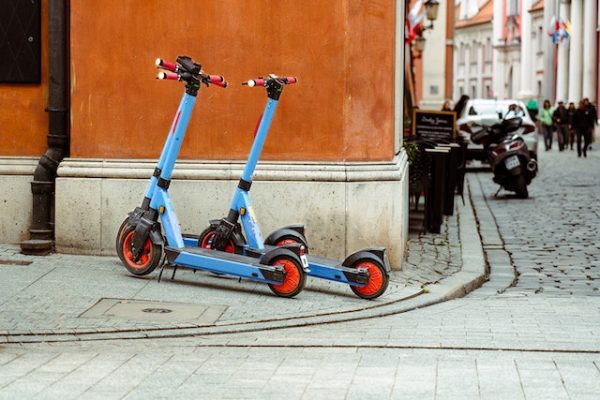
(432, 124)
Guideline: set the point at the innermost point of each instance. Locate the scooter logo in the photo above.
(253, 222)
(252, 215)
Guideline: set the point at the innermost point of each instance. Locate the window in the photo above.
(487, 52)
(512, 8)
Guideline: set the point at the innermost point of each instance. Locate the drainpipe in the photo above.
(41, 240)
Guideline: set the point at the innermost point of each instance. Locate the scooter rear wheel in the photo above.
(206, 237)
(295, 277)
(378, 279)
(521, 187)
(286, 236)
(149, 258)
(289, 239)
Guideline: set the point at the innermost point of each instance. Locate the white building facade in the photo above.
(525, 61)
(473, 50)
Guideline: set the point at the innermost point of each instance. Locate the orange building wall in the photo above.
(342, 51)
(23, 121)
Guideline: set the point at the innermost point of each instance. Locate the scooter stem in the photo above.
(259, 140)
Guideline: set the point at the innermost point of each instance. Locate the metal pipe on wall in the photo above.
(41, 241)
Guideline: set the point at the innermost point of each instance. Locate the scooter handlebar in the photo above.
(176, 73)
(168, 65)
(286, 80)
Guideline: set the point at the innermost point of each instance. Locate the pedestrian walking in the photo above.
(593, 119)
(571, 113)
(532, 109)
(460, 105)
(547, 124)
(560, 118)
(581, 121)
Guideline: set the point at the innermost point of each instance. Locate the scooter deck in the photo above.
(225, 263)
(319, 267)
(325, 268)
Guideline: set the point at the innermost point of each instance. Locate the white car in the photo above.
(478, 111)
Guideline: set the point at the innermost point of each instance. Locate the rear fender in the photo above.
(377, 254)
(295, 231)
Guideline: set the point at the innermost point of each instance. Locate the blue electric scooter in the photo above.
(366, 271)
(140, 241)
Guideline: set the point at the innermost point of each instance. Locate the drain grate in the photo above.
(156, 311)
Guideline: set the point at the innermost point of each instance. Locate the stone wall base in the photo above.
(16, 174)
(344, 207)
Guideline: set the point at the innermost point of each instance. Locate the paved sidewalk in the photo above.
(66, 297)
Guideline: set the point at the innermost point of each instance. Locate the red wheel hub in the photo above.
(375, 279)
(207, 241)
(292, 277)
(284, 242)
(145, 255)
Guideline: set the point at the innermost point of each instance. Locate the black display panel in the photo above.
(20, 41)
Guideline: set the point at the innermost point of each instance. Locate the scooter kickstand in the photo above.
(162, 268)
(498, 191)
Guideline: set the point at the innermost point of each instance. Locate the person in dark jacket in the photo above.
(560, 117)
(593, 119)
(460, 105)
(581, 122)
(571, 113)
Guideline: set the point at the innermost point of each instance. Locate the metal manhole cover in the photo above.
(157, 311)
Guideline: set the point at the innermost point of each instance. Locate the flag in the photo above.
(554, 30)
(566, 30)
(414, 21)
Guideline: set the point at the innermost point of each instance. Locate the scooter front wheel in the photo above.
(206, 238)
(295, 277)
(148, 259)
(378, 279)
(120, 232)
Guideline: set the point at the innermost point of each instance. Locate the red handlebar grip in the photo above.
(223, 84)
(290, 79)
(216, 79)
(167, 75)
(160, 63)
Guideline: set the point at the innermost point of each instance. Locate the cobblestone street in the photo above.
(532, 331)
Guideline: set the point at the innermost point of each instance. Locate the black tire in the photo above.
(295, 277)
(378, 280)
(289, 237)
(118, 239)
(149, 259)
(521, 186)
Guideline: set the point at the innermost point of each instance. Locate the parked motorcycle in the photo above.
(508, 156)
